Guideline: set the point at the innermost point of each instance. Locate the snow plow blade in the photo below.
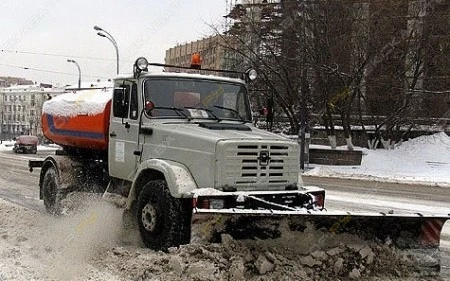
(404, 231)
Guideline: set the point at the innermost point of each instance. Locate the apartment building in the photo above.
(211, 50)
(21, 109)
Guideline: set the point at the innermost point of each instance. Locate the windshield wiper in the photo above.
(236, 113)
(205, 109)
(179, 111)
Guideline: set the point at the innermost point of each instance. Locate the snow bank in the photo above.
(84, 102)
(423, 160)
(8, 146)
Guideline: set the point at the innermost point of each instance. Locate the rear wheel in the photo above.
(164, 221)
(50, 186)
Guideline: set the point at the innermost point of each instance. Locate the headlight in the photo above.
(216, 204)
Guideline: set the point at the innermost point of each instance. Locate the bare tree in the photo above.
(338, 61)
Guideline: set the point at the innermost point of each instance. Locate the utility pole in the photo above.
(304, 92)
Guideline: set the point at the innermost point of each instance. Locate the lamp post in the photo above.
(79, 72)
(103, 33)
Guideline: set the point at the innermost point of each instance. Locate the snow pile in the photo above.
(423, 160)
(84, 102)
(261, 260)
(90, 245)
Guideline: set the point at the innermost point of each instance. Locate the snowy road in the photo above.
(17, 184)
(353, 195)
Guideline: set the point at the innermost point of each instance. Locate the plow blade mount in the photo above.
(409, 231)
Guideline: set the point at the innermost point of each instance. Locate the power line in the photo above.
(54, 55)
(50, 71)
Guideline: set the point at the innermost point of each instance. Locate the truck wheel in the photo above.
(50, 191)
(163, 220)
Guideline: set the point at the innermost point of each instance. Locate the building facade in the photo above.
(21, 109)
(211, 49)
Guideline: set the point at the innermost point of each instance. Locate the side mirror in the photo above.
(149, 106)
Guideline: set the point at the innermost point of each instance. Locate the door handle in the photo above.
(112, 134)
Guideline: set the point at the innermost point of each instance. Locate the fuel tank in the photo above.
(78, 119)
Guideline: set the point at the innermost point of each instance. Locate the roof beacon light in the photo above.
(140, 65)
(196, 61)
(252, 74)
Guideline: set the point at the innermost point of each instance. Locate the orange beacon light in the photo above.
(196, 61)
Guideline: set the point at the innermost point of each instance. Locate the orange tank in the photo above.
(86, 131)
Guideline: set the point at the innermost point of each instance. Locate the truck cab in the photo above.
(201, 124)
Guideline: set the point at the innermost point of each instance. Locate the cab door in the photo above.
(123, 130)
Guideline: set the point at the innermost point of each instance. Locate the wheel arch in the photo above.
(49, 162)
(177, 176)
(64, 167)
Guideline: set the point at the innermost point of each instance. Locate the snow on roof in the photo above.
(20, 88)
(90, 102)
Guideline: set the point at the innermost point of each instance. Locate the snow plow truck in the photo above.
(177, 148)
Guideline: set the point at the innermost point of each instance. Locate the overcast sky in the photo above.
(65, 27)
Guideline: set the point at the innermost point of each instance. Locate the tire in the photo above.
(50, 186)
(163, 221)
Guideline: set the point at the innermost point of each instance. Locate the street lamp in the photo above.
(103, 33)
(79, 72)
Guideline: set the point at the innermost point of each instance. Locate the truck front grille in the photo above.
(261, 164)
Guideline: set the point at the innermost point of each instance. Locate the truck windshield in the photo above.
(197, 98)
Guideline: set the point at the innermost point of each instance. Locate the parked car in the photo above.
(26, 144)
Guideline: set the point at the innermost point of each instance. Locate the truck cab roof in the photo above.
(182, 75)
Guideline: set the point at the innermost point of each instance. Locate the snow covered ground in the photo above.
(91, 245)
(423, 160)
(8, 145)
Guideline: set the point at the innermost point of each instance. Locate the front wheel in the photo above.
(164, 221)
